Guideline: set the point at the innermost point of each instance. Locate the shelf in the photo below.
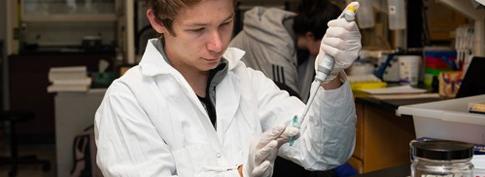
(70, 18)
(466, 9)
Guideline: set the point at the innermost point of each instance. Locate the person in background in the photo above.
(270, 37)
(192, 108)
(269, 42)
(313, 16)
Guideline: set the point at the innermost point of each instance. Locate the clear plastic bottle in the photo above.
(441, 158)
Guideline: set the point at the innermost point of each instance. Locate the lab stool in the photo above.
(11, 118)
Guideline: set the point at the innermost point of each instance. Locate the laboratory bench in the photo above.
(74, 112)
(382, 138)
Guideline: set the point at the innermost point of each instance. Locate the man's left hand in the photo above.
(342, 41)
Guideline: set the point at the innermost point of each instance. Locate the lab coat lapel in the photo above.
(227, 92)
(154, 64)
(227, 102)
(205, 120)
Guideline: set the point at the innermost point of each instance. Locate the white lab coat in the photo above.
(151, 123)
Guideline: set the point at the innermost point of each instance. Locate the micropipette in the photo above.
(323, 70)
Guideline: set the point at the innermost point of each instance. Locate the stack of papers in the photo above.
(69, 79)
(400, 92)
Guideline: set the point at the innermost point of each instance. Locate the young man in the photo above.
(192, 108)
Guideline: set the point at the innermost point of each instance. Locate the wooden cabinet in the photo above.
(382, 139)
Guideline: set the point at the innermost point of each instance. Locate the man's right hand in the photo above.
(264, 151)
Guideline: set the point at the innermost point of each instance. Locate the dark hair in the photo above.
(313, 16)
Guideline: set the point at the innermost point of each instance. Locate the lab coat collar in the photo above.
(154, 63)
(233, 56)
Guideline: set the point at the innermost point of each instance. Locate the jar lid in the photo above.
(443, 150)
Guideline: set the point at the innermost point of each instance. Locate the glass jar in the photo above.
(441, 158)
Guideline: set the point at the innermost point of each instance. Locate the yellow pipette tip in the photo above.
(353, 7)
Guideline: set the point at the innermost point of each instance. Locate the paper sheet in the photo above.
(405, 89)
(406, 96)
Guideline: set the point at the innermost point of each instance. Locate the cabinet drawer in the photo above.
(359, 130)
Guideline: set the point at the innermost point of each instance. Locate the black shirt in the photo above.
(215, 76)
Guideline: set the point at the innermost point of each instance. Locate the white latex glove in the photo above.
(342, 41)
(263, 151)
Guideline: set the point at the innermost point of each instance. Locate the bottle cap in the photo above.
(442, 150)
